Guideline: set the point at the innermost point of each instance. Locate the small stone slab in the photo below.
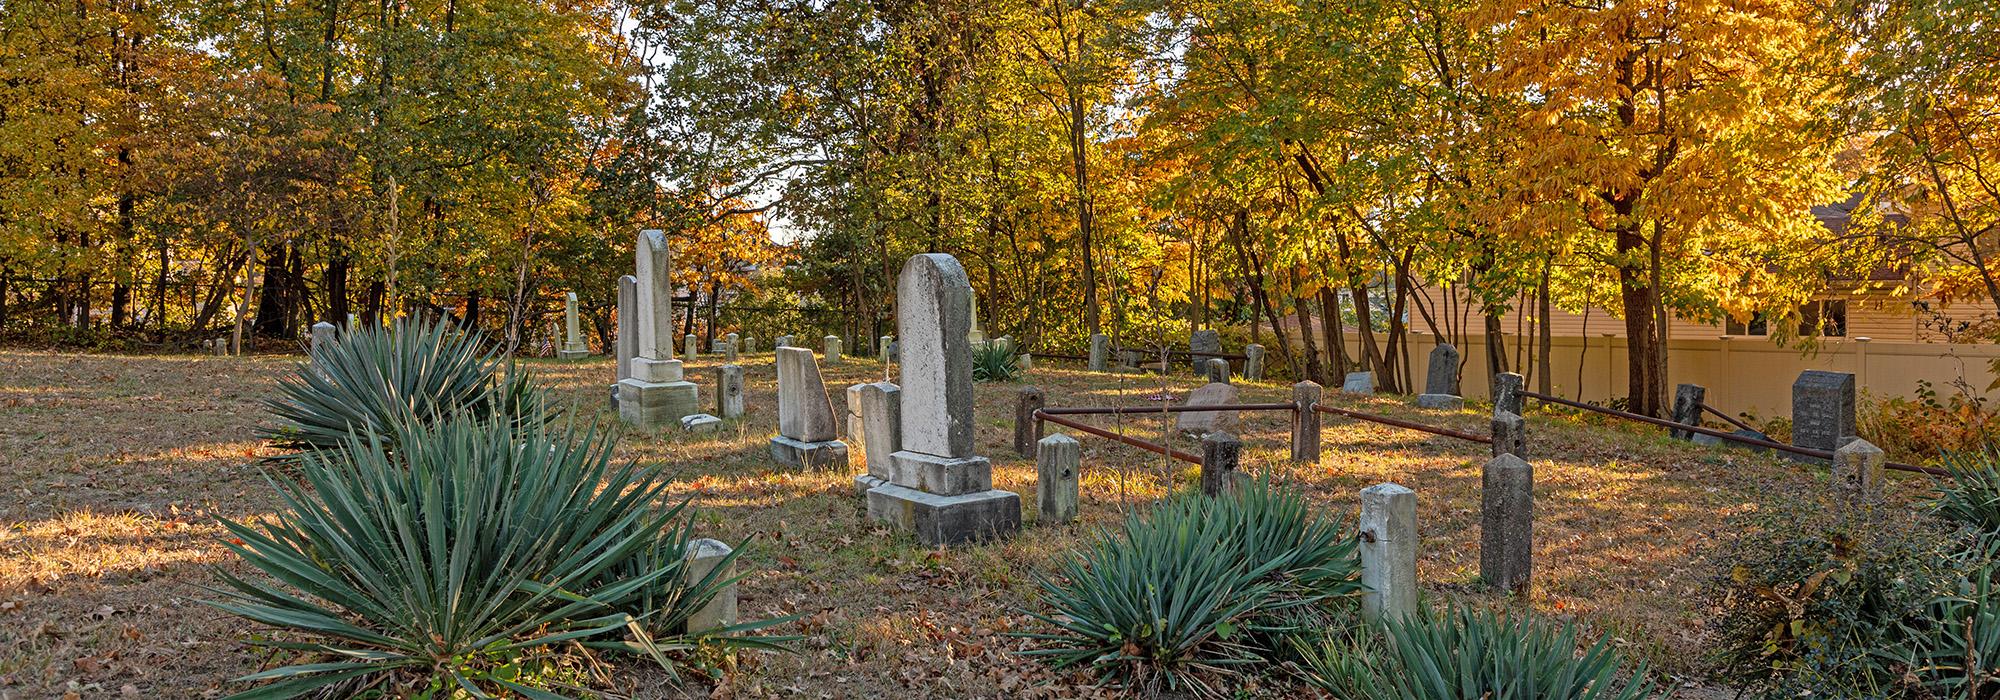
(1442, 402)
(805, 414)
(1253, 364)
(1359, 383)
(700, 423)
(944, 521)
(1205, 422)
(703, 556)
(827, 455)
(1058, 460)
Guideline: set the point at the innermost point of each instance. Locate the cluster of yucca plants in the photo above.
(1460, 653)
(1196, 589)
(995, 362)
(459, 548)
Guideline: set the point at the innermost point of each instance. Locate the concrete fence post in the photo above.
(703, 556)
(1510, 434)
(1688, 400)
(1027, 430)
(1388, 526)
(1507, 523)
(1507, 388)
(1219, 454)
(1058, 462)
(1305, 422)
(1858, 471)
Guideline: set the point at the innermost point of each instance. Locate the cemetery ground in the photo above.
(112, 469)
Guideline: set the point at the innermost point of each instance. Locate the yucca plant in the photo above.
(372, 379)
(1969, 493)
(1194, 588)
(995, 362)
(1461, 653)
(457, 559)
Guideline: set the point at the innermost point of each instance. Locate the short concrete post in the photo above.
(1507, 524)
(1027, 362)
(832, 349)
(1305, 422)
(1507, 388)
(1027, 430)
(1858, 470)
(1687, 409)
(220, 345)
(1253, 362)
(749, 345)
(730, 351)
(323, 334)
(1219, 454)
(1388, 526)
(885, 348)
(729, 391)
(854, 428)
(1100, 349)
(1058, 460)
(703, 556)
(1510, 434)
(1218, 370)
(690, 347)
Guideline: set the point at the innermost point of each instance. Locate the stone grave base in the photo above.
(864, 482)
(831, 454)
(572, 354)
(1446, 402)
(947, 475)
(653, 405)
(947, 520)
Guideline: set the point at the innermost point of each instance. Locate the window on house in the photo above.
(1757, 325)
(1826, 318)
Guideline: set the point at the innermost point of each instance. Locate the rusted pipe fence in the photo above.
(1732, 420)
(1400, 423)
(1053, 415)
(1732, 437)
(1155, 448)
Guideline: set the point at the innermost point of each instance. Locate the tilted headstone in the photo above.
(881, 432)
(1027, 430)
(831, 345)
(729, 390)
(808, 432)
(655, 395)
(703, 556)
(1359, 383)
(939, 488)
(1218, 370)
(1510, 434)
(1388, 527)
(888, 345)
(1100, 351)
(1507, 523)
(1253, 363)
(1203, 345)
(1058, 463)
(1822, 409)
(573, 346)
(1205, 422)
(1305, 422)
(628, 326)
(1507, 388)
(749, 345)
(1442, 375)
(1858, 470)
(1688, 400)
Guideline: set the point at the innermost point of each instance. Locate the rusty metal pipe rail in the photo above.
(1185, 353)
(1711, 410)
(1057, 356)
(1043, 415)
(1184, 408)
(1400, 423)
(1732, 437)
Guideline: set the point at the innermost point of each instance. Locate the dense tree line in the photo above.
(1132, 167)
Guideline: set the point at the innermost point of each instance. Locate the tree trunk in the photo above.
(1314, 370)
(1546, 377)
(1330, 325)
(335, 282)
(1644, 355)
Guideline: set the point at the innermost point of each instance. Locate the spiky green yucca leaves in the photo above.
(995, 362)
(1195, 588)
(457, 559)
(1969, 493)
(372, 379)
(1462, 654)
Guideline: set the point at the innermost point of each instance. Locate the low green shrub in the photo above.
(1969, 494)
(1462, 653)
(995, 362)
(372, 380)
(1196, 588)
(1954, 651)
(461, 561)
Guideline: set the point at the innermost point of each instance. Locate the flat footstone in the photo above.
(700, 423)
(1445, 402)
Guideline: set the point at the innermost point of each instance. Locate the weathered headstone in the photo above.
(729, 350)
(1253, 363)
(1507, 388)
(1360, 383)
(1510, 434)
(220, 345)
(1100, 351)
(831, 346)
(1220, 453)
(1027, 430)
(1058, 462)
(1129, 359)
(690, 347)
(700, 423)
(323, 335)
(749, 345)
(1442, 402)
(1507, 523)
(1204, 344)
(628, 330)
(887, 344)
(1218, 370)
(655, 395)
(1688, 400)
(1388, 527)
(1305, 422)
(1858, 471)
(784, 341)
(881, 432)
(1442, 374)
(734, 340)
(851, 419)
(703, 556)
(939, 488)
(1205, 422)
(1822, 409)
(1026, 361)
(573, 346)
(729, 390)
(808, 433)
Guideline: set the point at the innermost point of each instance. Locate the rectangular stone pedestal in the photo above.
(947, 520)
(655, 405)
(949, 476)
(572, 354)
(831, 454)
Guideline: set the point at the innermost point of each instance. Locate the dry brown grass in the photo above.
(113, 468)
